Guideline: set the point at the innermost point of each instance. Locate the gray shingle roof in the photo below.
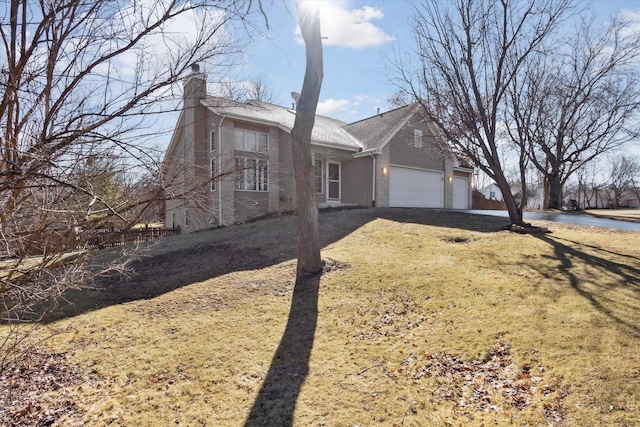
(375, 130)
(364, 134)
(325, 131)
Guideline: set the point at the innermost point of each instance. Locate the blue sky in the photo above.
(359, 36)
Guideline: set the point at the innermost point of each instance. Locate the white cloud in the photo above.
(332, 106)
(350, 28)
(632, 19)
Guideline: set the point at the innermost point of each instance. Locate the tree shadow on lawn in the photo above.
(276, 400)
(623, 280)
(179, 261)
(457, 219)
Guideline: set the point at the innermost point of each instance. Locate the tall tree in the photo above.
(577, 102)
(309, 260)
(82, 77)
(469, 52)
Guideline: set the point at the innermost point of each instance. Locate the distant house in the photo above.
(491, 192)
(393, 159)
(598, 198)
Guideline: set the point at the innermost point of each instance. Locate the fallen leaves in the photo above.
(490, 384)
(24, 389)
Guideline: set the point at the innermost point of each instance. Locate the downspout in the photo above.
(220, 171)
(373, 194)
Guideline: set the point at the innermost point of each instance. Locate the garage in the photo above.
(460, 192)
(415, 188)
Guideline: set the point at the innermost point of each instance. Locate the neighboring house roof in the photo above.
(325, 130)
(376, 131)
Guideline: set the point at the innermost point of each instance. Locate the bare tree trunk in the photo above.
(309, 261)
(555, 192)
(523, 183)
(515, 212)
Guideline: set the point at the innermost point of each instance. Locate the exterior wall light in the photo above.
(384, 171)
(450, 179)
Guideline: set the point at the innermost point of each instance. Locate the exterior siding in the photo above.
(284, 170)
(227, 183)
(403, 152)
(448, 184)
(250, 204)
(357, 185)
(273, 175)
(190, 164)
(382, 187)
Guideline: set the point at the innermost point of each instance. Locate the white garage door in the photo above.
(412, 188)
(460, 192)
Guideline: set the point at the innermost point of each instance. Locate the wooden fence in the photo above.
(91, 239)
(65, 240)
(480, 202)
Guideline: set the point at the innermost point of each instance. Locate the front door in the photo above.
(333, 180)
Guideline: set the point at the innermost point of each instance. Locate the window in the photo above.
(213, 139)
(417, 138)
(318, 167)
(214, 173)
(247, 140)
(251, 174)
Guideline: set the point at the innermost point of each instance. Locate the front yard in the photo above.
(425, 318)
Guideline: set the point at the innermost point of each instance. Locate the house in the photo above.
(242, 151)
(491, 192)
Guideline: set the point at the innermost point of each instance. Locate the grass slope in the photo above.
(427, 318)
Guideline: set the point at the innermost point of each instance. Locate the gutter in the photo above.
(367, 152)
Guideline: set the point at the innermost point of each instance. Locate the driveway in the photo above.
(567, 218)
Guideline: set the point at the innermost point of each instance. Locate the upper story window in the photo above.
(417, 138)
(247, 140)
(213, 140)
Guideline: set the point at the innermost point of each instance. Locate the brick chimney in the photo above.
(195, 86)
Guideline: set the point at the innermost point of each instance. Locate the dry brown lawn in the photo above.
(628, 214)
(426, 318)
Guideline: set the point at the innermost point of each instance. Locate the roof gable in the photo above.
(376, 131)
